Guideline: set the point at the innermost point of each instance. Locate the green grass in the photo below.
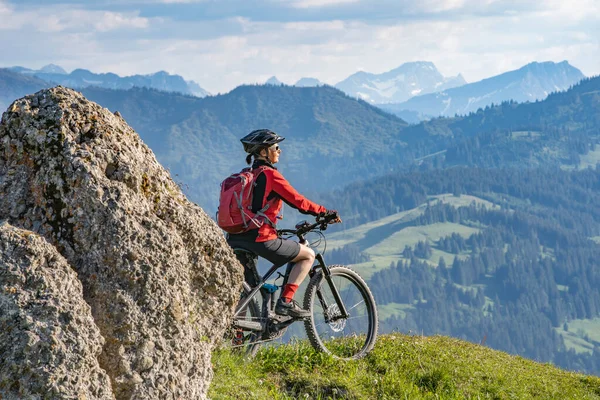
(362, 232)
(394, 244)
(400, 367)
(385, 239)
(385, 311)
(575, 342)
(390, 248)
(526, 135)
(590, 159)
(582, 335)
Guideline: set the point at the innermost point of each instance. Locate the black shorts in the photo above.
(278, 251)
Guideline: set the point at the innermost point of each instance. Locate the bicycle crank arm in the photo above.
(249, 325)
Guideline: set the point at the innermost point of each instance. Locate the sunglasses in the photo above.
(275, 147)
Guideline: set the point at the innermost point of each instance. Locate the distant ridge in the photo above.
(14, 85)
(82, 78)
(398, 85)
(531, 82)
(50, 68)
(308, 82)
(198, 139)
(273, 81)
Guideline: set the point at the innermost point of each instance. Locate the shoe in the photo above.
(238, 338)
(291, 309)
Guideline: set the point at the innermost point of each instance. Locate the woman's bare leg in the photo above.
(303, 262)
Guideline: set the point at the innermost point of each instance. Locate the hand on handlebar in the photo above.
(331, 216)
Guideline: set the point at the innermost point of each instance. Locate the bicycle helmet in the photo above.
(258, 139)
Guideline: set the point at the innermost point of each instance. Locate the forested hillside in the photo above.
(525, 281)
(519, 268)
(14, 85)
(552, 132)
(198, 139)
(334, 140)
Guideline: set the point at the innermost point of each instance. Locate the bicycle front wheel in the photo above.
(345, 338)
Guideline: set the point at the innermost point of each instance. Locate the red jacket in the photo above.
(278, 189)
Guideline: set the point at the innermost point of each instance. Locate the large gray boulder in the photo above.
(48, 339)
(156, 271)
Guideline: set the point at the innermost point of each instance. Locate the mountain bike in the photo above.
(343, 319)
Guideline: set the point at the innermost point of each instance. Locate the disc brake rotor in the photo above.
(338, 324)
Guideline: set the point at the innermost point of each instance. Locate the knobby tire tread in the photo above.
(310, 297)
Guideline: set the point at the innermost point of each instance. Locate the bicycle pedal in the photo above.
(281, 318)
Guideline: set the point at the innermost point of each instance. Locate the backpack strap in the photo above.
(261, 212)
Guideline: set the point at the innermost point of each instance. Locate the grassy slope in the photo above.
(400, 367)
(582, 334)
(384, 239)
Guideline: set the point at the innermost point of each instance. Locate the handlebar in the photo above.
(304, 228)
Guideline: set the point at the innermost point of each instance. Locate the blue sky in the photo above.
(222, 44)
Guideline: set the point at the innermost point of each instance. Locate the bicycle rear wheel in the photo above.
(345, 338)
(244, 341)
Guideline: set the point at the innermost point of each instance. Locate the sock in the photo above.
(288, 292)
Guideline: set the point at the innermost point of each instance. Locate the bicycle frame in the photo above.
(326, 273)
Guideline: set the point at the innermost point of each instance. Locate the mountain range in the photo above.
(307, 82)
(198, 139)
(385, 177)
(14, 85)
(81, 78)
(326, 130)
(46, 69)
(273, 81)
(532, 82)
(398, 85)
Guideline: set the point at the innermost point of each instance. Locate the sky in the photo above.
(221, 44)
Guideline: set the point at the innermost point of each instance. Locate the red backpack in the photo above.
(234, 214)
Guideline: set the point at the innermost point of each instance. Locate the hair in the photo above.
(255, 154)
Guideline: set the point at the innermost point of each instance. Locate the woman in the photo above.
(271, 190)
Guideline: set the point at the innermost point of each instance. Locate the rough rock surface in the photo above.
(48, 339)
(156, 270)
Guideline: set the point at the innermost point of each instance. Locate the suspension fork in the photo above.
(336, 294)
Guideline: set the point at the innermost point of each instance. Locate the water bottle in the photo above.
(271, 289)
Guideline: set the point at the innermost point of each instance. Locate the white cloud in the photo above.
(437, 6)
(8, 19)
(59, 19)
(109, 21)
(223, 53)
(320, 3)
(180, 1)
(315, 26)
(4, 8)
(562, 12)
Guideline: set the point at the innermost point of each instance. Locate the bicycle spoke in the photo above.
(350, 337)
(360, 302)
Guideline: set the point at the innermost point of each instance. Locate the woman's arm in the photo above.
(291, 196)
